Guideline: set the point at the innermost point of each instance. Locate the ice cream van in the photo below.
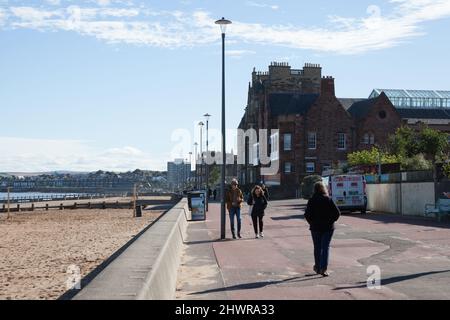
(348, 191)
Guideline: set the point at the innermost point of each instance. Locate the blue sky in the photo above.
(118, 85)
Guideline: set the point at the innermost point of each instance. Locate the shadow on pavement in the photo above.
(395, 279)
(215, 240)
(258, 285)
(297, 216)
(392, 218)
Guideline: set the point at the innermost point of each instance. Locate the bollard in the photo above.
(18, 207)
(89, 205)
(61, 206)
(104, 205)
(117, 204)
(46, 207)
(138, 211)
(75, 205)
(32, 207)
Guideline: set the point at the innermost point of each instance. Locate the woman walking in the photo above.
(259, 203)
(321, 213)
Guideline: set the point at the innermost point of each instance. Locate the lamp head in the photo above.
(223, 23)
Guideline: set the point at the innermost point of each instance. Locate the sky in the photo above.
(121, 84)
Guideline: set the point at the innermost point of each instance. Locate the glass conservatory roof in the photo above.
(415, 98)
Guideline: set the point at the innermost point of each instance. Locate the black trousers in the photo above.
(258, 219)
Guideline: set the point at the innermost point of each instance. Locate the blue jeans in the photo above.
(321, 242)
(235, 212)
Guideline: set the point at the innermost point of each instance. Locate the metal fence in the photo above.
(407, 176)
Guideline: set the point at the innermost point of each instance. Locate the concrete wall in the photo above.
(400, 198)
(148, 268)
(415, 196)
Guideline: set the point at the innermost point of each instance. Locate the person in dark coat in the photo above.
(321, 213)
(259, 203)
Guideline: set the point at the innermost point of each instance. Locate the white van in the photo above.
(348, 191)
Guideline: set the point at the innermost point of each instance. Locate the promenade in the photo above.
(413, 255)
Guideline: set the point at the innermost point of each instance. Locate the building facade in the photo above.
(316, 130)
(178, 173)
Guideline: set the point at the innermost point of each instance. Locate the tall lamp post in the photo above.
(190, 168)
(201, 125)
(223, 23)
(196, 171)
(207, 116)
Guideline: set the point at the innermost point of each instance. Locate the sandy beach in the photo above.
(36, 248)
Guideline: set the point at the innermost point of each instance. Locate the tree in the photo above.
(371, 157)
(405, 142)
(433, 144)
(214, 176)
(308, 185)
(416, 162)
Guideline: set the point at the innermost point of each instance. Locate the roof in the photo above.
(361, 108)
(290, 103)
(415, 113)
(348, 102)
(401, 98)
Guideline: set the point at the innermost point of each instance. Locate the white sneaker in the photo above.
(257, 236)
(261, 234)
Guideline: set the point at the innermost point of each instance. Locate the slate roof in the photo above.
(348, 102)
(360, 109)
(415, 113)
(290, 103)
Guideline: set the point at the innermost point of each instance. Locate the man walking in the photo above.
(234, 199)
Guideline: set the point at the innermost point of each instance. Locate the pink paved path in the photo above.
(413, 255)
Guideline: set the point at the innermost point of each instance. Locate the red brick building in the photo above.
(316, 129)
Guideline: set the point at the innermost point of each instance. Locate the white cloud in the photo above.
(261, 5)
(38, 155)
(141, 25)
(53, 2)
(239, 53)
(2, 16)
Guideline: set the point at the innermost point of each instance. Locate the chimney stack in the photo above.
(327, 86)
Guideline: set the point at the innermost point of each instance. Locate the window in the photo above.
(311, 140)
(310, 167)
(382, 114)
(341, 141)
(287, 167)
(287, 142)
(369, 138)
(366, 138)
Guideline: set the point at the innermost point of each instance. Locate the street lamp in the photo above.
(201, 124)
(223, 23)
(190, 168)
(207, 116)
(196, 171)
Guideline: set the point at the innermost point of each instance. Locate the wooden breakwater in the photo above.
(68, 205)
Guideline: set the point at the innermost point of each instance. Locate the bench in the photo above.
(442, 207)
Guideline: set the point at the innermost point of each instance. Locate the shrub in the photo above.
(308, 185)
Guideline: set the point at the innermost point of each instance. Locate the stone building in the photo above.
(316, 130)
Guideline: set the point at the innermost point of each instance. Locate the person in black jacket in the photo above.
(321, 213)
(259, 203)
